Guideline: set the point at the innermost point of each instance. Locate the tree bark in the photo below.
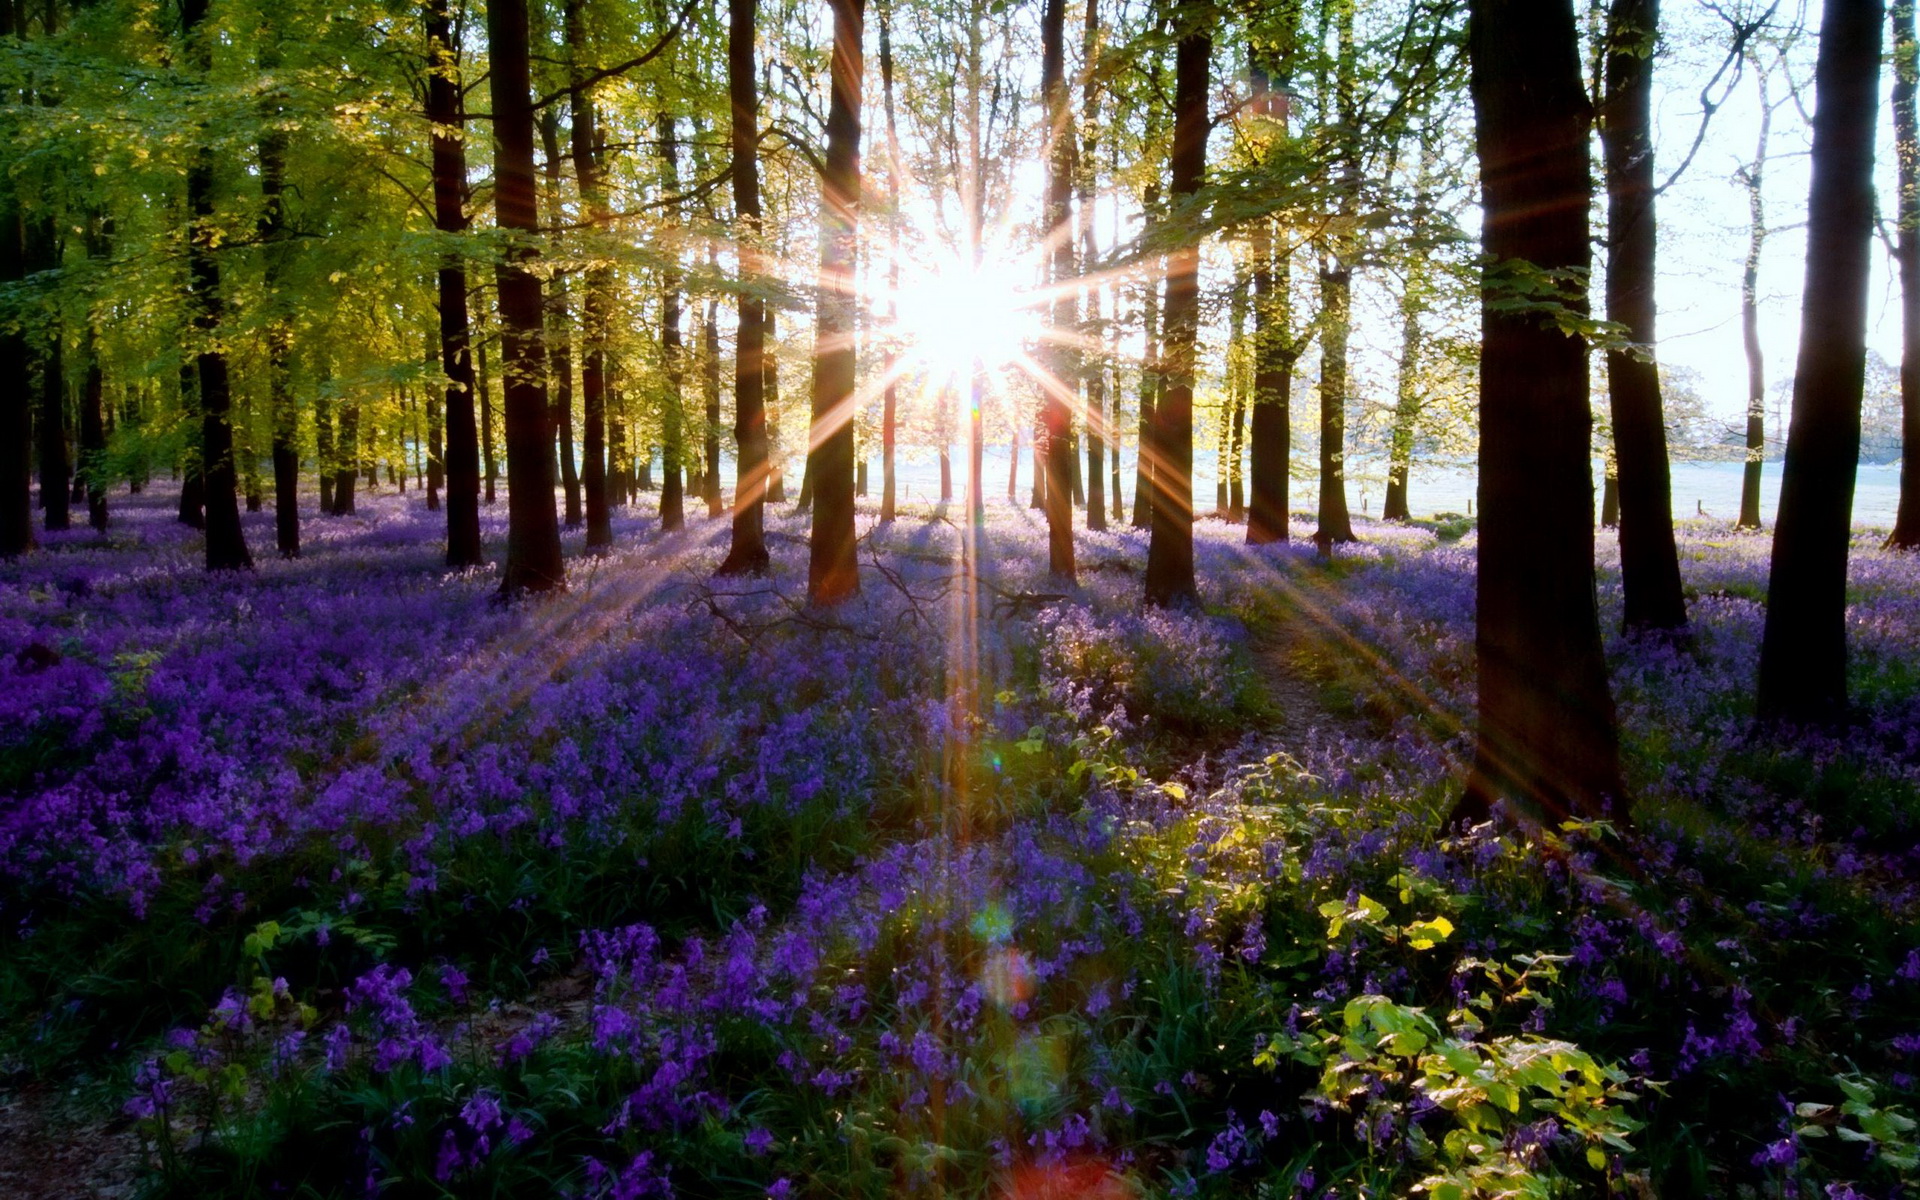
(672, 426)
(1547, 742)
(462, 452)
(1649, 562)
(1060, 391)
(347, 477)
(1906, 122)
(559, 330)
(710, 393)
(1170, 579)
(832, 573)
(1756, 443)
(597, 305)
(93, 438)
(226, 543)
(890, 402)
(488, 444)
(751, 364)
(16, 403)
(1144, 452)
(1094, 375)
(1406, 412)
(51, 423)
(280, 407)
(1336, 297)
(533, 532)
(1803, 651)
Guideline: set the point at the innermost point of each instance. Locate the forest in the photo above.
(1034, 599)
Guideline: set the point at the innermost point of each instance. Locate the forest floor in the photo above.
(340, 877)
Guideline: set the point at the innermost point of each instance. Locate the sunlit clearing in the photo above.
(953, 316)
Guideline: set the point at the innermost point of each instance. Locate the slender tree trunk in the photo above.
(710, 393)
(1061, 391)
(436, 442)
(51, 425)
(770, 381)
(1336, 293)
(1906, 122)
(226, 543)
(1170, 546)
(462, 453)
(1271, 437)
(890, 402)
(1649, 562)
(832, 573)
(323, 443)
(1751, 176)
(597, 305)
(16, 403)
(93, 438)
(1406, 412)
(347, 478)
(672, 425)
(489, 446)
(1150, 382)
(1803, 651)
(1234, 422)
(281, 412)
(751, 364)
(1547, 743)
(559, 329)
(533, 533)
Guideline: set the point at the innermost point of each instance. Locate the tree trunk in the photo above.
(16, 404)
(1059, 392)
(1336, 298)
(1406, 412)
(1547, 742)
(1144, 452)
(226, 543)
(1906, 122)
(1094, 374)
(832, 573)
(672, 428)
(347, 478)
(533, 533)
(488, 445)
(1750, 324)
(1649, 563)
(323, 442)
(280, 406)
(462, 452)
(559, 331)
(710, 393)
(1170, 546)
(51, 425)
(770, 382)
(1271, 437)
(598, 304)
(890, 402)
(1803, 651)
(751, 363)
(93, 438)
(436, 444)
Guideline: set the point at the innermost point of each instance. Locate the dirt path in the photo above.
(51, 1149)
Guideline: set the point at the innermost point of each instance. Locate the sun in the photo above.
(953, 316)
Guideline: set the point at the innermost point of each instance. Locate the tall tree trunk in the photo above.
(1239, 359)
(710, 393)
(1906, 123)
(1547, 742)
(672, 424)
(324, 453)
(1060, 392)
(1406, 411)
(16, 403)
(598, 303)
(890, 403)
(436, 440)
(1170, 546)
(1751, 176)
(1649, 562)
(832, 573)
(560, 328)
(1336, 295)
(751, 363)
(281, 412)
(51, 423)
(93, 437)
(462, 454)
(770, 382)
(533, 532)
(226, 543)
(347, 477)
(1803, 651)
(1093, 375)
(1150, 383)
(1270, 440)
(489, 445)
